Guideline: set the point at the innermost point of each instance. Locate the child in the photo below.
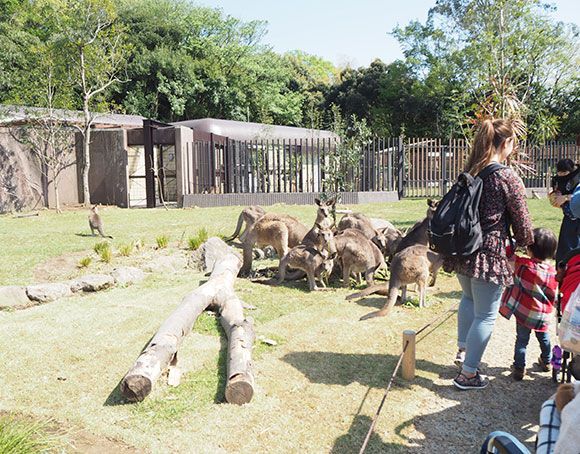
(563, 185)
(531, 299)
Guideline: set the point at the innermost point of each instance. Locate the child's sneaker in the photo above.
(476, 382)
(544, 367)
(459, 358)
(518, 373)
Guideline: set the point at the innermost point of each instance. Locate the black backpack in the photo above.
(454, 229)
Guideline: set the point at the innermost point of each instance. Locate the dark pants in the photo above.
(522, 340)
(569, 238)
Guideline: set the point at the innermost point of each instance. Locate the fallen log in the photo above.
(216, 294)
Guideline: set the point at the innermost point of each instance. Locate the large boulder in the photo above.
(92, 283)
(44, 293)
(13, 296)
(125, 275)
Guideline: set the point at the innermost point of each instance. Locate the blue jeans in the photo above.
(522, 340)
(476, 318)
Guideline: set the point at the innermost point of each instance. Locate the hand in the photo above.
(552, 196)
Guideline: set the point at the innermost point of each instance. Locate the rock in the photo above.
(13, 296)
(44, 293)
(125, 275)
(92, 283)
(166, 263)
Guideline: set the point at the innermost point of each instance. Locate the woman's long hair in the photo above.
(489, 137)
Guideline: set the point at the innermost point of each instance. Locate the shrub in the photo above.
(162, 241)
(98, 247)
(126, 250)
(85, 262)
(196, 241)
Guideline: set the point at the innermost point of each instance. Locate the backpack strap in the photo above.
(491, 168)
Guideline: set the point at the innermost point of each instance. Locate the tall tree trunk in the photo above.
(56, 195)
(86, 152)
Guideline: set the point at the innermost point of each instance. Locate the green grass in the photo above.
(19, 436)
(194, 242)
(319, 386)
(127, 249)
(101, 246)
(162, 241)
(85, 262)
(106, 254)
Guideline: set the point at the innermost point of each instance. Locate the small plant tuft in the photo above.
(162, 241)
(85, 262)
(196, 241)
(98, 247)
(106, 254)
(19, 437)
(127, 249)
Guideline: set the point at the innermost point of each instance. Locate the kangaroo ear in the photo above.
(333, 255)
(317, 202)
(331, 202)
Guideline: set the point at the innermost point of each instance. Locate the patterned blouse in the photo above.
(503, 193)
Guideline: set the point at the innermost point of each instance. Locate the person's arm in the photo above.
(575, 202)
(549, 428)
(517, 208)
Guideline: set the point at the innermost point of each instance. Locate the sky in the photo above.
(353, 32)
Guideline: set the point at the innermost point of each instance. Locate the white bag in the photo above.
(569, 328)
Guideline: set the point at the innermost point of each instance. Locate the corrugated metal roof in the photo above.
(241, 130)
(20, 114)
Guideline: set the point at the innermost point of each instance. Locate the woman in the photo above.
(483, 274)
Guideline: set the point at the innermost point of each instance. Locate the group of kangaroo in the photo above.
(356, 245)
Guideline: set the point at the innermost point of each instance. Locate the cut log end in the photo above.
(239, 390)
(135, 388)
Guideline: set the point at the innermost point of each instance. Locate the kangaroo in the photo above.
(418, 233)
(392, 238)
(96, 222)
(357, 254)
(278, 230)
(248, 215)
(324, 220)
(357, 221)
(412, 265)
(314, 261)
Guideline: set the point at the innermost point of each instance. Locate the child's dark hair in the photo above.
(565, 165)
(544, 245)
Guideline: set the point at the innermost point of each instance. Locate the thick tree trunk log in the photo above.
(217, 292)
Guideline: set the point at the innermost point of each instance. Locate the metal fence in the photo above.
(414, 167)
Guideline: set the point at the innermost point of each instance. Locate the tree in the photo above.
(508, 56)
(51, 140)
(91, 45)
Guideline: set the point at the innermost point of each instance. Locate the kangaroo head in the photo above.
(95, 209)
(326, 239)
(324, 209)
(380, 240)
(431, 207)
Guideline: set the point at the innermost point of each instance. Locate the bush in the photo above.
(196, 241)
(126, 250)
(162, 241)
(98, 247)
(85, 262)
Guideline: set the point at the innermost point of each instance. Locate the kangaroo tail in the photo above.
(238, 228)
(373, 289)
(386, 309)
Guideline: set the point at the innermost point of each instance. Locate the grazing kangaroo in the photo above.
(96, 222)
(278, 230)
(418, 233)
(412, 265)
(314, 261)
(248, 215)
(357, 221)
(357, 254)
(392, 239)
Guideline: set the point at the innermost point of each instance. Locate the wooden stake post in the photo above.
(408, 371)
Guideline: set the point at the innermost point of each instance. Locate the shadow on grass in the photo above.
(503, 405)
(222, 369)
(87, 235)
(115, 397)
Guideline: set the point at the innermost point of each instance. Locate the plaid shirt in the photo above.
(533, 295)
(549, 428)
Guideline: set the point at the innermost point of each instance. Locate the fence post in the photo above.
(401, 168)
(443, 154)
(408, 370)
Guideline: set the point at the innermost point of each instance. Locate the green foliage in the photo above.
(101, 246)
(127, 249)
(85, 262)
(24, 437)
(106, 254)
(198, 239)
(162, 241)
